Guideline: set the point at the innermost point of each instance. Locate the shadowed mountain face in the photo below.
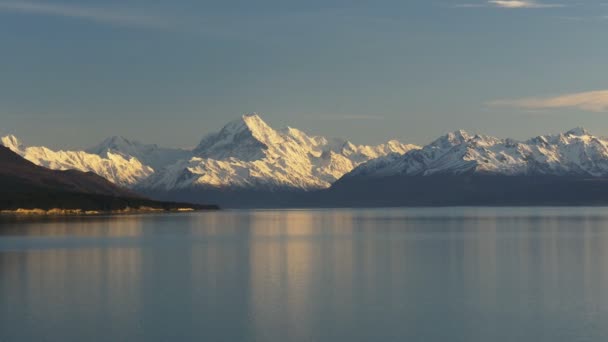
(19, 175)
(459, 168)
(416, 191)
(469, 189)
(28, 186)
(570, 168)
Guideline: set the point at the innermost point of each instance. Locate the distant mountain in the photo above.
(245, 155)
(148, 154)
(248, 163)
(462, 168)
(25, 174)
(573, 153)
(118, 168)
(248, 154)
(25, 185)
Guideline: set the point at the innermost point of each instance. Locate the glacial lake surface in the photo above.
(442, 274)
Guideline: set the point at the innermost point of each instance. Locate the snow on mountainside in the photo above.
(149, 154)
(12, 142)
(574, 153)
(117, 168)
(247, 153)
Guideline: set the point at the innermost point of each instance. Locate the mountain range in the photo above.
(574, 153)
(26, 185)
(459, 168)
(249, 163)
(246, 153)
(119, 168)
(249, 154)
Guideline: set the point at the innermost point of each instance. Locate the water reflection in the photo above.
(459, 274)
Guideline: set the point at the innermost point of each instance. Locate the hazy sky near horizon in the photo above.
(170, 71)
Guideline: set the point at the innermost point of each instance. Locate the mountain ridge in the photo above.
(244, 153)
(247, 156)
(27, 186)
(120, 169)
(575, 152)
(248, 153)
(150, 155)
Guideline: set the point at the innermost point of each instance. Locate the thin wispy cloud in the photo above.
(522, 4)
(240, 26)
(591, 101)
(511, 4)
(121, 17)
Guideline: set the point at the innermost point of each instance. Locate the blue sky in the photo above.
(167, 72)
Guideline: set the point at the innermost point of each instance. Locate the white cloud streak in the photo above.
(511, 4)
(119, 17)
(592, 101)
(521, 4)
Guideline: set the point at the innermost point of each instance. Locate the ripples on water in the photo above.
(452, 274)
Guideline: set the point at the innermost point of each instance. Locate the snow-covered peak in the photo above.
(254, 121)
(575, 135)
(246, 138)
(149, 154)
(302, 137)
(12, 142)
(249, 123)
(460, 138)
(575, 152)
(261, 130)
(452, 139)
(395, 144)
(247, 152)
(119, 169)
(578, 131)
(115, 143)
(460, 135)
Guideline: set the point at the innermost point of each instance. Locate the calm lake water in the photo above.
(451, 274)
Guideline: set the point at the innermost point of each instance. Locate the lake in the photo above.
(444, 274)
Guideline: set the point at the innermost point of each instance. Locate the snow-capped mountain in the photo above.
(250, 157)
(248, 153)
(149, 154)
(573, 153)
(117, 168)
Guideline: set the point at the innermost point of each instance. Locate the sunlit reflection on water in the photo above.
(457, 274)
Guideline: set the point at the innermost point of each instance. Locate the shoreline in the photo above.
(82, 212)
